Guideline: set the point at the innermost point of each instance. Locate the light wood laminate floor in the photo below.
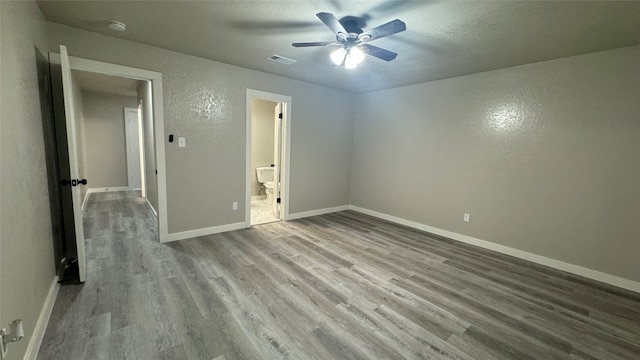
(337, 286)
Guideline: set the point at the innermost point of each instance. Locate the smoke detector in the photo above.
(117, 25)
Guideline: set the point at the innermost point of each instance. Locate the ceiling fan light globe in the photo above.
(354, 57)
(338, 56)
(356, 54)
(350, 65)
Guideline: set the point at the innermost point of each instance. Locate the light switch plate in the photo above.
(182, 142)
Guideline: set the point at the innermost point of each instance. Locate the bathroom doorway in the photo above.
(267, 170)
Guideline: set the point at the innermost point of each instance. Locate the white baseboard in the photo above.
(305, 214)
(242, 225)
(153, 210)
(107, 189)
(43, 321)
(99, 190)
(538, 259)
(84, 201)
(206, 231)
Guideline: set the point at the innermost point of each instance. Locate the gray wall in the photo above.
(262, 137)
(545, 157)
(26, 245)
(148, 135)
(205, 102)
(104, 131)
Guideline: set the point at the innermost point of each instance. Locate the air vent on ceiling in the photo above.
(281, 59)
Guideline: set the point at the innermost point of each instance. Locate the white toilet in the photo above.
(265, 178)
(269, 186)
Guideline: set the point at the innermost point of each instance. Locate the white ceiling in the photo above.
(443, 39)
(114, 85)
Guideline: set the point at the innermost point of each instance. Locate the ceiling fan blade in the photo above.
(332, 22)
(320, 43)
(390, 28)
(380, 53)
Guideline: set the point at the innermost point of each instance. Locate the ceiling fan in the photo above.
(354, 40)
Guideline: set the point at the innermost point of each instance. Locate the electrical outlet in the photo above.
(467, 217)
(235, 205)
(182, 142)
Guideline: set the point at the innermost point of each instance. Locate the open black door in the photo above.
(59, 175)
(50, 147)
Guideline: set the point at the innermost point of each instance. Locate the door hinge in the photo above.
(278, 200)
(280, 116)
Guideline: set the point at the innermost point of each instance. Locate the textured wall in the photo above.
(104, 130)
(26, 257)
(205, 102)
(262, 138)
(545, 157)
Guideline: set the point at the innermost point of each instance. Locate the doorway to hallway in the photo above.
(79, 88)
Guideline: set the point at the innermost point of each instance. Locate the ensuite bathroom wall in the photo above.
(262, 134)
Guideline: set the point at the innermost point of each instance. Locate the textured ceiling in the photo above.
(114, 85)
(443, 39)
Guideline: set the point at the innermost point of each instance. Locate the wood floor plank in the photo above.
(493, 326)
(337, 286)
(427, 344)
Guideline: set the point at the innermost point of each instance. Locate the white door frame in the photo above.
(286, 138)
(158, 119)
(133, 136)
(277, 157)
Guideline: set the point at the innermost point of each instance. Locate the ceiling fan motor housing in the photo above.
(351, 25)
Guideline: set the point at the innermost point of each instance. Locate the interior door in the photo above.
(277, 146)
(132, 125)
(70, 119)
(51, 152)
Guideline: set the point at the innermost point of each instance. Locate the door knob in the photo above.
(82, 181)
